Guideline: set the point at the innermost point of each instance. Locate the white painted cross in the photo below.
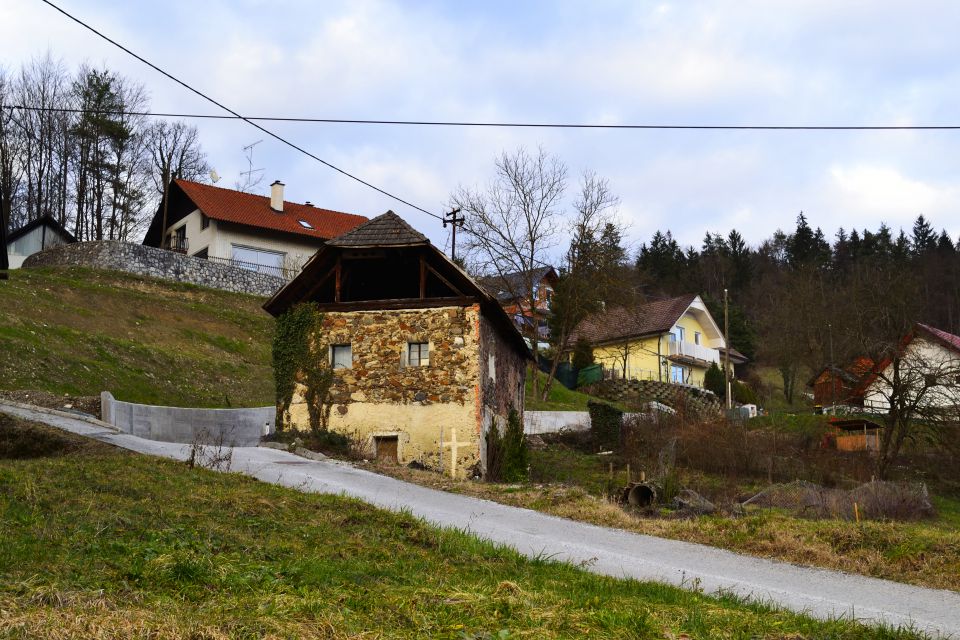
(454, 445)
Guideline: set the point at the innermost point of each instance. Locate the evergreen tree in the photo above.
(924, 237)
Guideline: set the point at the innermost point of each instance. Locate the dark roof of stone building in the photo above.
(387, 230)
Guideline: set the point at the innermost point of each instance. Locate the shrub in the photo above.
(713, 380)
(516, 457)
(582, 354)
(606, 424)
(743, 394)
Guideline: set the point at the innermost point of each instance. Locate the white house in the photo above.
(247, 230)
(36, 235)
(929, 370)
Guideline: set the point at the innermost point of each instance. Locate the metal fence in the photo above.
(270, 270)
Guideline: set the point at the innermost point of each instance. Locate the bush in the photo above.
(516, 457)
(508, 459)
(743, 394)
(606, 423)
(713, 380)
(582, 354)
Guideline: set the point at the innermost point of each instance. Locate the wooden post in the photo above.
(628, 474)
(643, 476)
(856, 512)
(611, 471)
(423, 278)
(336, 294)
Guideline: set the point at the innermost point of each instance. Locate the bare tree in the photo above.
(917, 387)
(513, 223)
(11, 141)
(175, 154)
(590, 274)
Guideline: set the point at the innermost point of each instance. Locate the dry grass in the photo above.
(921, 553)
(100, 543)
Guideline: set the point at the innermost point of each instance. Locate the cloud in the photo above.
(871, 193)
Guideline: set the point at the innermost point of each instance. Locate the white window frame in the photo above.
(282, 255)
(334, 348)
(696, 337)
(422, 350)
(674, 369)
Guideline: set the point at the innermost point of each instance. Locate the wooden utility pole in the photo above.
(726, 351)
(4, 260)
(454, 221)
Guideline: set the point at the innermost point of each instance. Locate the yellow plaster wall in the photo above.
(417, 428)
(641, 357)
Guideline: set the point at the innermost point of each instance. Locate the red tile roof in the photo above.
(948, 339)
(252, 210)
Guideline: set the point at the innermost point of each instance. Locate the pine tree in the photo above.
(924, 237)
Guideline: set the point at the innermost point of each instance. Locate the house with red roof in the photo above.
(260, 233)
(928, 372)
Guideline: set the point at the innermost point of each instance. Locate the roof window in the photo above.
(305, 224)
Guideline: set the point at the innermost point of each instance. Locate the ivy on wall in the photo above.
(300, 356)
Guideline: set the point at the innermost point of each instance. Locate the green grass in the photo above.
(79, 331)
(103, 543)
(560, 399)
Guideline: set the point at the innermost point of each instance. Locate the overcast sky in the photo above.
(747, 62)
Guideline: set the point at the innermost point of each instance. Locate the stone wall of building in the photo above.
(158, 263)
(381, 395)
(502, 377)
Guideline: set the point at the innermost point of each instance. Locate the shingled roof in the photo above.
(387, 230)
(647, 319)
(253, 210)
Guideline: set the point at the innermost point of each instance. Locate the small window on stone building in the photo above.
(492, 366)
(341, 356)
(204, 221)
(418, 354)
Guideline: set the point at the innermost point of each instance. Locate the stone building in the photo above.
(424, 359)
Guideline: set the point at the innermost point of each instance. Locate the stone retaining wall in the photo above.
(158, 263)
(676, 396)
(228, 427)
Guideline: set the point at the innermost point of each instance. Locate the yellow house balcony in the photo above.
(698, 354)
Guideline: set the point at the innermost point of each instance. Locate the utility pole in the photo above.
(833, 373)
(726, 351)
(4, 260)
(454, 221)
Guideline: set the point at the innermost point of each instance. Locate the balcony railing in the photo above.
(270, 270)
(691, 351)
(179, 244)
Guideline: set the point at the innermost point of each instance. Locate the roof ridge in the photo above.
(385, 229)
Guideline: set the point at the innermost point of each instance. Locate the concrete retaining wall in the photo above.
(158, 263)
(535, 422)
(553, 421)
(233, 427)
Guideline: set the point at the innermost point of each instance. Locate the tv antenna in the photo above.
(251, 177)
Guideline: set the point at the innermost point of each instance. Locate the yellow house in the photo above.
(673, 340)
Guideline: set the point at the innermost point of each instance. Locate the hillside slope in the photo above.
(79, 331)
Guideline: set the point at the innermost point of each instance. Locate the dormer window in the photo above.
(305, 224)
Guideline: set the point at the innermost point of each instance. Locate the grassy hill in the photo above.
(79, 331)
(100, 542)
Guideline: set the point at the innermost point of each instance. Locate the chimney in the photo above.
(276, 196)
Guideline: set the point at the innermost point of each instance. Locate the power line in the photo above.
(514, 125)
(236, 115)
